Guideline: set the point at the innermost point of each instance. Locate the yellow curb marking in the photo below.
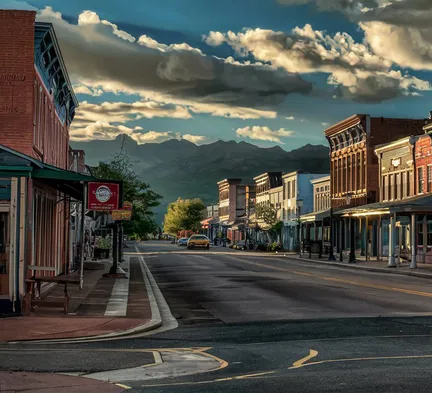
(300, 362)
(364, 359)
(327, 278)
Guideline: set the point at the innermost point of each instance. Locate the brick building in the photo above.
(354, 166)
(423, 164)
(355, 179)
(37, 106)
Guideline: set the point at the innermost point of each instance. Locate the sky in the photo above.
(269, 72)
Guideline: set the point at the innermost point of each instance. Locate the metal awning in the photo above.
(416, 204)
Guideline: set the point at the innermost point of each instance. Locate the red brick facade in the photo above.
(17, 76)
(354, 165)
(423, 165)
(28, 119)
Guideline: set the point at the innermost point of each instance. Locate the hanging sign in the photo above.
(103, 196)
(127, 205)
(121, 215)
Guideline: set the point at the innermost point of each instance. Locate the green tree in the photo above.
(267, 212)
(183, 214)
(135, 190)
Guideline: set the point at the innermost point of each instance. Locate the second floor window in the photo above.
(420, 180)
(429, 178)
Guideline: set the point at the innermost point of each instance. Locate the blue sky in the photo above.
(270, 72)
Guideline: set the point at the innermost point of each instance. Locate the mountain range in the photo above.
(179, 168)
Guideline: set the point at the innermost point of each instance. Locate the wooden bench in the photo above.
(30, 296)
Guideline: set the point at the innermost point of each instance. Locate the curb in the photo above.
(154, 323)
(365, 268)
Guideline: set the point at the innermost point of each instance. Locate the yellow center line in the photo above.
(362, 359)
(123, 386)
(300, 362)
(340, 280)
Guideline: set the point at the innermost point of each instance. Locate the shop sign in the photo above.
(127, 205)
(122, 215)
(103, 196)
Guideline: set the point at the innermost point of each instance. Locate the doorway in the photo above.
(4, 253)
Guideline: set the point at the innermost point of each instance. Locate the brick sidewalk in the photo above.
(13, 382)
(88, 308)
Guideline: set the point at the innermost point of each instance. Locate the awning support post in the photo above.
(82, 228)
(413, 264)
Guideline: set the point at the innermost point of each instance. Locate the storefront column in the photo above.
(366, 239)
(362, 232)
(340, 225)
(413, 264)
(392, 238)
(352, 257)
(379, 246)
(425, 242)
(300, 238)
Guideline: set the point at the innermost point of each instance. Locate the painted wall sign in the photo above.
(103, 196)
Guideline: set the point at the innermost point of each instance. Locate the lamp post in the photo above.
(352, 257)
(299, 203)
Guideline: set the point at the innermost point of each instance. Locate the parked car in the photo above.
(198, 241)
(183, 241)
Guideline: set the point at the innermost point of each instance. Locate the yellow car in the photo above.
(198, 241)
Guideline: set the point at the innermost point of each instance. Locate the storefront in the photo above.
(34, 222)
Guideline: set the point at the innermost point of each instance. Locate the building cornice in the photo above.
(344, 125)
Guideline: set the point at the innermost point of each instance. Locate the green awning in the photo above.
(16, 164)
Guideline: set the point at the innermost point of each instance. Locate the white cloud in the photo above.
(325, 124)
(214, 108)
(82, 89)
(125, 111)
(290, 118)
(197, 139)
(101, 130)
(97, 51)
(263, 133)
(91, 18)
(357, 71)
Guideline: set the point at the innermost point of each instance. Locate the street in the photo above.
(274, 323)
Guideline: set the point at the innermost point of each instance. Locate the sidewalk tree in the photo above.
(135, 190)
(267, 212)
(183, 214)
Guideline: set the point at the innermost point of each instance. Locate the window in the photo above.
(288, 185)
(429, 178)
(408, 183)
(293, 188)
(397, 186)
(420, 180)
(404, 182)
(384, 188)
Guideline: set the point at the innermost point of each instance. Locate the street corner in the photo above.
(169, 363)
(43, 382)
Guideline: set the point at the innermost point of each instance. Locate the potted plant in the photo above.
(102, 247)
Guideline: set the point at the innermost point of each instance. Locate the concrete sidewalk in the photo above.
(423, 270)
(13, 382)
(106, 306)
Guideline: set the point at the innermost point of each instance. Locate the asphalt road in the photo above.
(281, 324)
